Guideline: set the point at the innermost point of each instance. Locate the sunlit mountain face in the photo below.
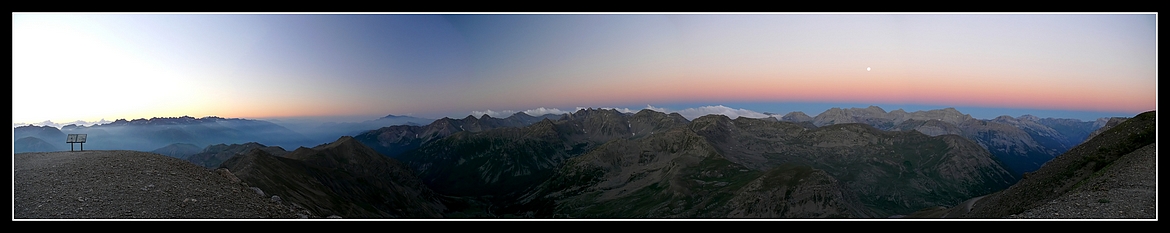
(84, 68)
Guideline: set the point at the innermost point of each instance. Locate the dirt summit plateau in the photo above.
(119, 184)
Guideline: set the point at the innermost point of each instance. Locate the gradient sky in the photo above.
(69, 67)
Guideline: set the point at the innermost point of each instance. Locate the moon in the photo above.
(866, 68)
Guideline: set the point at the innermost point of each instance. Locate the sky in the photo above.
(69, 67)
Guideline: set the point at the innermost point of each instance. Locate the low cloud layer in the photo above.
(496, 114)
(507, 113)
(689, 113)
(542, 110)
(692, 113)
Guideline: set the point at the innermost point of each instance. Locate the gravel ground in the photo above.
(131, 185)
(1127, 189)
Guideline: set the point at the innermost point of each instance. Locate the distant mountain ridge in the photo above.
(528, 170)
(394, 140)
(59, 125)
(154, 133)
(329, 131)
(603, 163)
(42, 132)
(1023, 143)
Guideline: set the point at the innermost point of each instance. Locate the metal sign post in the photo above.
(76, 138)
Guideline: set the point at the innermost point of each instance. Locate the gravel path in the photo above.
(1127, 189)
(130, 185)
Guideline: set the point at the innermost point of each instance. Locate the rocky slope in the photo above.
(1127, 188)
(1108, 168)
(97, 184)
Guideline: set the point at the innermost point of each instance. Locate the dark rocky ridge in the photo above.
(394, 140)
(179, 150)
(726, 169)
(213, 155)
(343, 178)
(892, 172)
(1113, 121)
(1023, 143)
(677, 174)
(1068, 170)
(1082, 170)
(868, 172)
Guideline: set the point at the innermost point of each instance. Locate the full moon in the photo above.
(866, 68)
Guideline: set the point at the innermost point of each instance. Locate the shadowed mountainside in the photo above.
(865, 172)
(394, 140)
(1023, 144)
(213, 155)
(32, 144)
(677, 174)
(343, 178)
(178, 150)
(1082, 169)
(1069, 170)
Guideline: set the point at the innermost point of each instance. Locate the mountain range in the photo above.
(677, 162)
(155, 133)
(602, 163)
(1023, 143)
(322, 132)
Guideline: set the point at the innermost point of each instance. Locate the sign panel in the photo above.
(75, 138)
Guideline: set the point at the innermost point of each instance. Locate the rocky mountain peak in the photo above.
(1029, 117)
(875, 109)
(521, 114)
(796, 116)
